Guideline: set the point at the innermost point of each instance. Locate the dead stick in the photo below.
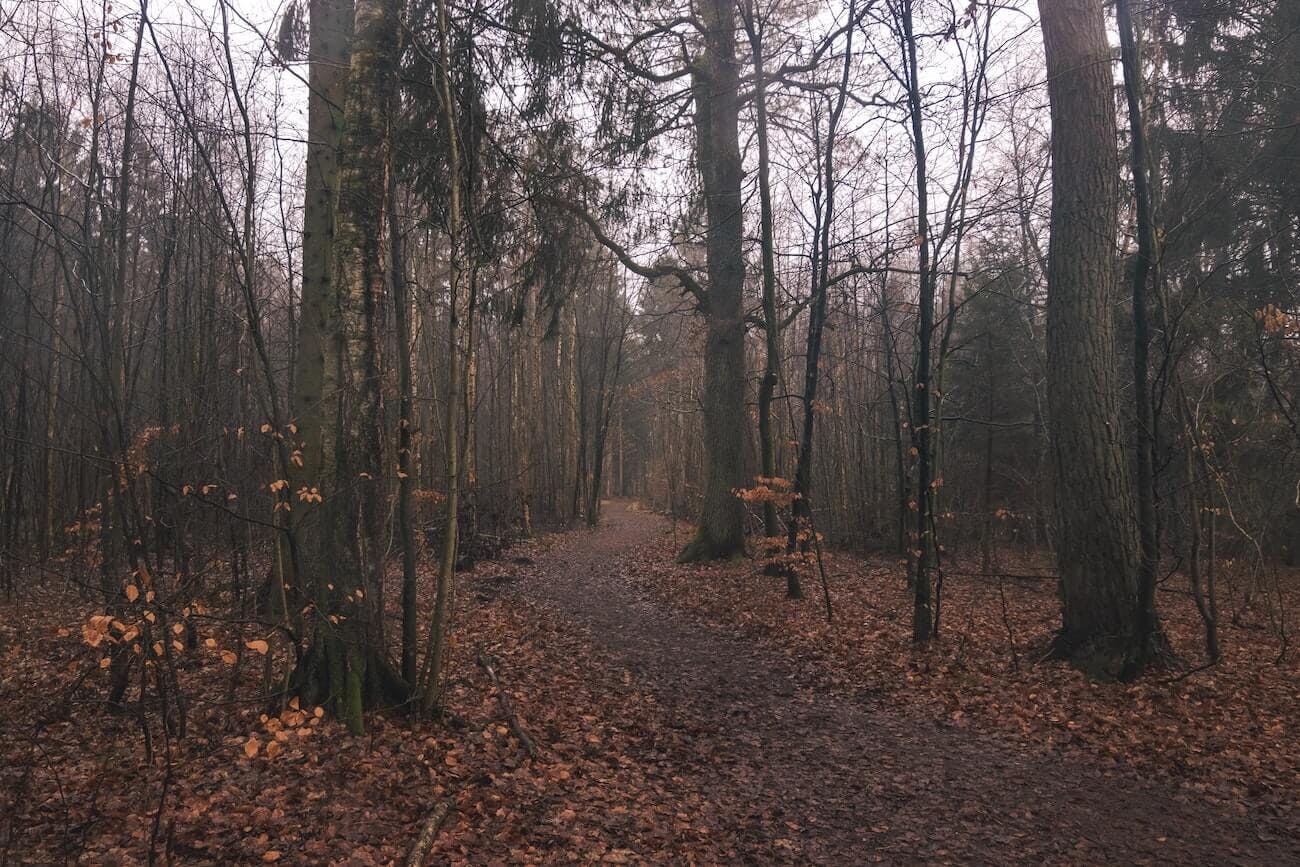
(1012, 575)
(428, 833)
(507, 707)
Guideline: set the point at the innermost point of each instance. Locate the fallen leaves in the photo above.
(247, 783)
(1222, 735)
(623, 775)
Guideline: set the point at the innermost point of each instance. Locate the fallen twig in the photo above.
(1186, 674)
(1012, 575)
(507, 706)
(428, 833)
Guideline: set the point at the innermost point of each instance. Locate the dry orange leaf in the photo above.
(257, 645)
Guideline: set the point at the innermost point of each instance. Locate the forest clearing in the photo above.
(674, 431)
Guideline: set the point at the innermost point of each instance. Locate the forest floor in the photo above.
(679, 715)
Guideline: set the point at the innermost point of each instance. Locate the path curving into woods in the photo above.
(798, 775)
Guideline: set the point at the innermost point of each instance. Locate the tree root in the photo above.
(702, 549)
(1113, 658)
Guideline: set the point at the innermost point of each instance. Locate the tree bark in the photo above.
(717, 111)
(329, 49)
(923, 615)
(440, 630)
(801, 529)
(405, 425)
(1145, 265)
(347, 654)
(1097, 544)
(771, 323)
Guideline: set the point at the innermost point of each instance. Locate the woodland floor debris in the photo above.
(682, 715)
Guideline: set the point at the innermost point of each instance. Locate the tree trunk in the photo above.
(405, 425)
(896, 420)
(330, 38)
(346, 661)
(440, 630)
(986, 498)
(1097, 544)
(1206, 604)
(771, 323)
(717, 111)
(1145, 264)
(923, 614)
(606, 394)
(471, 412)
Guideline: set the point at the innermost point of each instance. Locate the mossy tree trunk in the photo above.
(346, 665)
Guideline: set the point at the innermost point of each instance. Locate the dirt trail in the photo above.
(802, 776)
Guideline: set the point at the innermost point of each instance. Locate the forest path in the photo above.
(795, 774)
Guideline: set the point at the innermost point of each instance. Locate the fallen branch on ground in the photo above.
(485, 662)
(1014, 576)
(428, 833)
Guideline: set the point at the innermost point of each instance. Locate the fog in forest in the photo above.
(722, 431)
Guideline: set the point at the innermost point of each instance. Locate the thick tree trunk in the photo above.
(330, 40)
(717, 104)
(1097, 533)
(347, 661)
